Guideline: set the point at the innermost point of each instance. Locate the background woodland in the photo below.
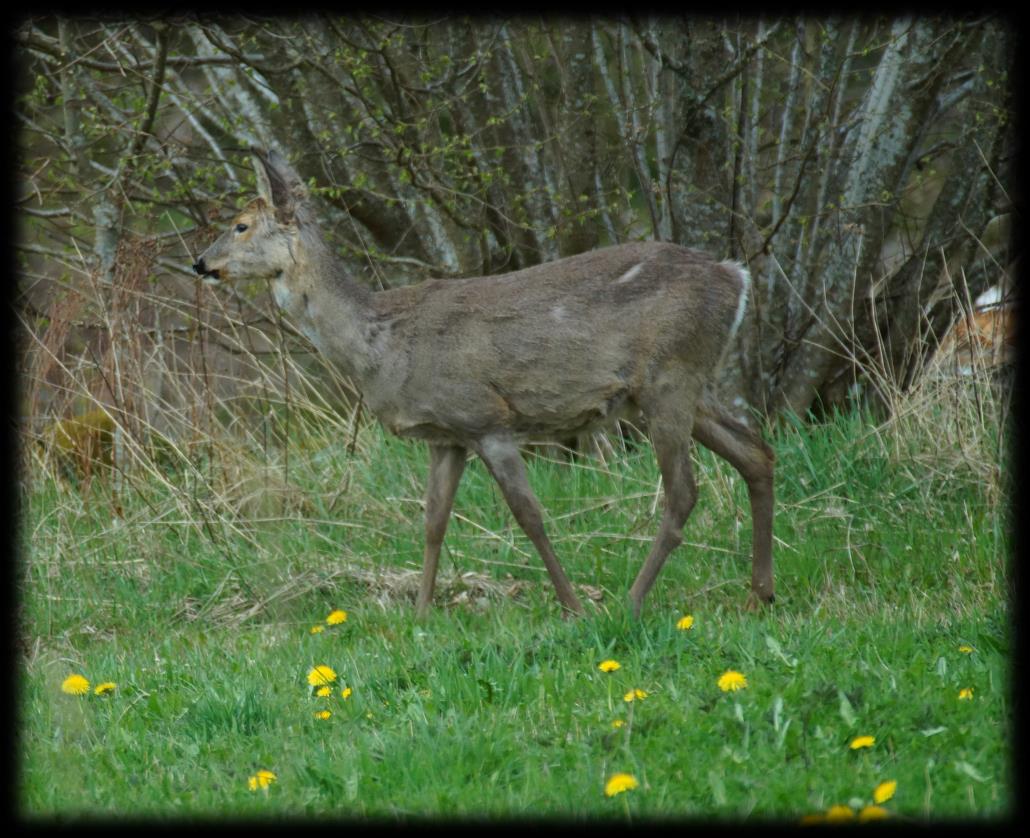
(858, 167)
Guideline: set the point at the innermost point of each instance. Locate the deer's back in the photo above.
(555, 348)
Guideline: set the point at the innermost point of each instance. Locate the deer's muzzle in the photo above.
(203, 269)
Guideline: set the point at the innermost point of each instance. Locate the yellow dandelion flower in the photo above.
(862, 742)
(885, 791)
(619, 783)
(965, 694)
(75, 685)
(836, 814)
(324, 692)
(317, 629)
(617, 723)
(811, 820)
(684, 623)
(336, 617)
(634, 695)
(323, 714)
(262, 780)
(966, 649)
(872, 813)
(346, 691)
(609, 666)
(321, 675)
(731, 680)
(105, 689)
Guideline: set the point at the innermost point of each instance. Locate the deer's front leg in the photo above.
(446, 464)
(673, 453)
(504, 462)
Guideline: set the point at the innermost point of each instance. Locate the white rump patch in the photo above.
(630, 274)
(745, 287)
(990, 297)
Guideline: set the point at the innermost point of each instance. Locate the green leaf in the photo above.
(782, 735)
(967, 769)
(774, 647)
(717, 786)
(847, 712)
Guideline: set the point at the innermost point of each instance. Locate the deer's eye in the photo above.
(240, 228)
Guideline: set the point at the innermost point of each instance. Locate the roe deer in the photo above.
(983, 339)
(543, 353)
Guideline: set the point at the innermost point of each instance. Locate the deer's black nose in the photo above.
(204, 270)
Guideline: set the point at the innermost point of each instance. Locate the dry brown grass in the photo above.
(155, 372)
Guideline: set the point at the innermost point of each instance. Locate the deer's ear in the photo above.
(287, 175)
(264, 186)
(278, 184)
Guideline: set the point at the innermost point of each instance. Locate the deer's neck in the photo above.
(333, 311)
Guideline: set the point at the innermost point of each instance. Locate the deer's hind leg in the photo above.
(670, 419)
(503, 461)
(748, 453)
(446, 464)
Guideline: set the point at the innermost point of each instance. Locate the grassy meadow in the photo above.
(195, 588)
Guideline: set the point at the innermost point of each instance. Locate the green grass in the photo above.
(198, 602)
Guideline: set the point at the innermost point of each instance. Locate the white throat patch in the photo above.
(282, 293)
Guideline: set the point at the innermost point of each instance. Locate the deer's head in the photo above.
(263, 241)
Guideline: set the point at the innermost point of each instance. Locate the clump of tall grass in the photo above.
(951, 422)
(180, 371)
(175, 403)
